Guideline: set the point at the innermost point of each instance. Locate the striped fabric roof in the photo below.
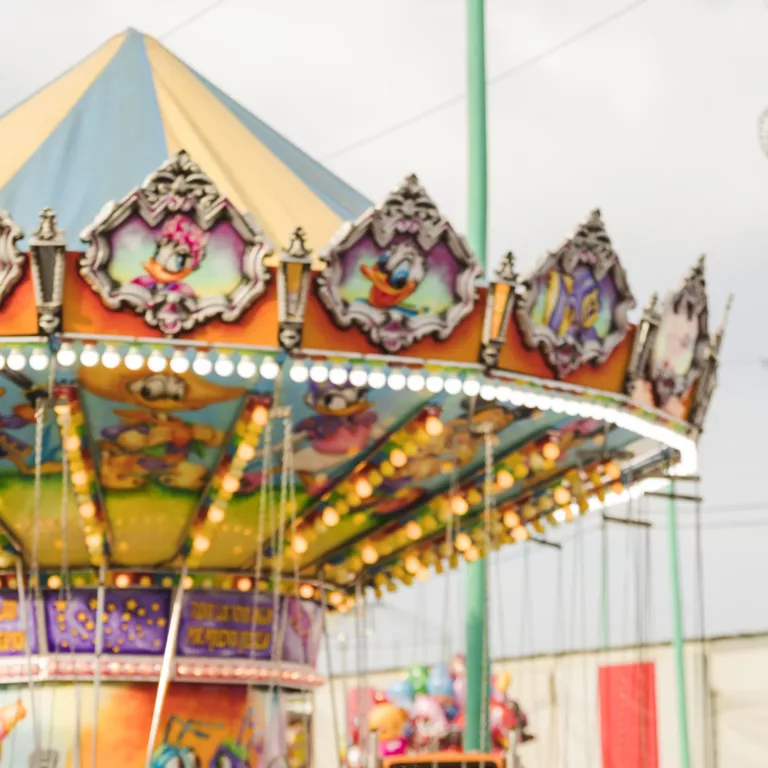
(97, 131)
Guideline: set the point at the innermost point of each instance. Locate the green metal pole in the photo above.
(476, 736)
(677, 633)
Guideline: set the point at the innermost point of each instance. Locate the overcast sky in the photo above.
(653, 119)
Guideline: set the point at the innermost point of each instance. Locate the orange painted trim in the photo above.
(18, 313)
(429, 758)
(85, 313)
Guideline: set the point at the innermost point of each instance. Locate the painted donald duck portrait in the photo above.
(395, 276)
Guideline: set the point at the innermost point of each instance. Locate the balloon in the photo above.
(418, 677)
(400, 692)
(439, 682)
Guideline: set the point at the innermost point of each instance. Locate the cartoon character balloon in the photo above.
(389, 721)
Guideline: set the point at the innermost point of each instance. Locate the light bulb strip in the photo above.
(225, 482)
(82, 471)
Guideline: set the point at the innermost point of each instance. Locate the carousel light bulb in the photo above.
(488, 392)
(246, 452)
(398, 458)
(413, 530)
(611, 469)
(412, 564)
(93, 541)
(299, 544)
(260, 415)
(503, 394)
(561, 495)
(396, 381)
(269, 369)
(244, 584)
(307, 591)
(89, 356)
(358, 377)
(550, 450)
(87, 510)
(452, 385)
(422, 574)
(377, 379)
(54, 582)
(122, 580)
(188, 582)
(110, 358)
(471, 387)
(330, 516)
(617, 487)
(298, 372)
(505, 479)
(511, 519)
(179, 361)
(201, 543)
(246, 368)
(459, 505)
(202, 365)
(66, 355)
(363, 487)
(16, 360)
(224, 366)
(521, 533)
(230, 484)
(336, 599)
(434, 384)
(472, 554)
(79, 478)
(368, 554)
(416, 382)
(318, 373)
(72, 443)
(338, 375)
(462, 542)
(134, 360)
(215, 514)
(433, 426)
(156, 361)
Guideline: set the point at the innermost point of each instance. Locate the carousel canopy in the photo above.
(99, 129)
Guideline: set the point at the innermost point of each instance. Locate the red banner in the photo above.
(628, 716)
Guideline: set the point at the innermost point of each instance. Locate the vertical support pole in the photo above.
(677, 632)
(98, 649)
(604, 593)
(476, 716)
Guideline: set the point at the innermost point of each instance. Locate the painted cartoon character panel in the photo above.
(400, 272)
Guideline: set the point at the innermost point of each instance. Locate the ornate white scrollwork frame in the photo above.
(590, 246)
(12, 260)
(178, 186)
(408, 211)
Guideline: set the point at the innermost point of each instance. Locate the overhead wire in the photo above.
(515, 69)
(189, 20)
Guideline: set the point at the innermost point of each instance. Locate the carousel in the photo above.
(237, 396)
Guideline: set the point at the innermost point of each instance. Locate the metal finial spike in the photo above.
(505, 273)
(47, 228)
(297, 248)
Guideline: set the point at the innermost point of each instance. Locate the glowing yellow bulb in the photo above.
(307, 591)
(612, 470)
(472, 554)
(230, 484)
(260, 415)
(459, 505)
(511, 519)
(413, 564)
(463, 542)
(299, 544)
(617, 487)
(244, 584)
(201, 543)
(72, 443)
(87, 510)
(336, 599)
(215, 514)
(422, 574)
(246, 452)
(398, 458)
(363, 487)
(188, 582)
(93, 541)
(368, 554)
(54, 582)
(330, 516)
(413, 530)
(122, 580)
(433, 426)
(521, 533)
(561, 495)
(505, 479)
(80, 478)
(550, 450)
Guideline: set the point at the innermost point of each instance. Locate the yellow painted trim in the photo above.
(243, 168)
(31, 123)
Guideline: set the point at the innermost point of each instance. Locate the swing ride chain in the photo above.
(263, 491)
(489, 499)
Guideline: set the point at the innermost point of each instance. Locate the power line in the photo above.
(494, 80)
(192, 19)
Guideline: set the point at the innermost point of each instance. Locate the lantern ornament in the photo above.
(500, 304)
(293, 278)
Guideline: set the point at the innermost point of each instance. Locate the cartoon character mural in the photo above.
(394, 277)
(151, 443)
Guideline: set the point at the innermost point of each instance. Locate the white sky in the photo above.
(653, 119)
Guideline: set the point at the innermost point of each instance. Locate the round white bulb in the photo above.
(396, 380)
(156, 362)
(224, 366)
(110, 358)
(318, 373)
(89, 356)
(377, 379)
(559, 515)
(516, 397)
(201, 365)
(179, 362)
(298, 372)
(557, 405)
(246, 367)
(503, 394)
(16, 360)
(471, 387)
(488, 392)
(358, 377)
(434, 384)
(337, 375)
(416, 382)
(452, 385)
(38, 360)
(66, 355)
(134, 359)
(269, 369)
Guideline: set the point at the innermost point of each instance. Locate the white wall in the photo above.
(560, 696)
